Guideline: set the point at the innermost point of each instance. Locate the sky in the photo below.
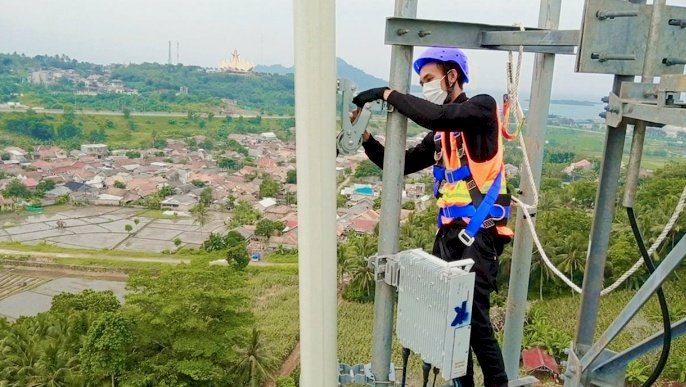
(135, 31)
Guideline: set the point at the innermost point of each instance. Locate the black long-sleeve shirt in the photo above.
(476, 118)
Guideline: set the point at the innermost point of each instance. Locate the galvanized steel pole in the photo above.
(548, 18)
(639, 134)
(393, 166)
(605, 203)
(315, 113)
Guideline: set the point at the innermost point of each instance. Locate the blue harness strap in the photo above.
(468, 211)
(484, 208)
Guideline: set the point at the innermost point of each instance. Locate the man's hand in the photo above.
(370, 95)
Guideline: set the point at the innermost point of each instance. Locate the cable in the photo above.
(436, 370)
(667, 337)
(406, 356)
(426, 367)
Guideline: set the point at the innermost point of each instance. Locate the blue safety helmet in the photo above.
(442, 55)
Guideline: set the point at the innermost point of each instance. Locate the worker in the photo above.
(465, 149)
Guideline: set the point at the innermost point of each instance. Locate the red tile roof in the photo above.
(537, 359)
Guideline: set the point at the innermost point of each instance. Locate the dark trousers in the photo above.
(484, 252)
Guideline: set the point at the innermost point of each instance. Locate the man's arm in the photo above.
(416, 158)
(468, 115)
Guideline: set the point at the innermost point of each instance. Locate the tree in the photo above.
(201, 214)
(206, 196)
(133, 154)
(165, 191)
(189, 322)
(127, 113)
(119, 184)
(106, 347)
(256, 362)
(198, 183)
(87, 300)
(68, 131)
(408, 205)
(269, 187)
(214, 242)
(45, 186)
(292, 176)
(16, 189)
(234, 238)
(244, 214)
(227, 163)
(266, 228)
(341, 201)
(238, 256)
(128, 228)
(367, 168)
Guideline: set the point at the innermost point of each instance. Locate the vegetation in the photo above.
(157, 86)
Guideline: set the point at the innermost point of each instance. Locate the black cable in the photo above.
(435, 374)
(406, 356)
(667, 337)
(426, 367)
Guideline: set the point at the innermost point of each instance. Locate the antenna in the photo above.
(169, 60)
(177, 52)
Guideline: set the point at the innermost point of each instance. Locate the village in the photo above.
(96, 177)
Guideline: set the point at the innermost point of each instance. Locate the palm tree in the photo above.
(572, 255)
(256, 361)
(201, 215)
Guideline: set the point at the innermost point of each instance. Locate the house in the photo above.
(108, 200)
(179, 203)
(74, 186)
(537, 360)
(98, 150)
(583, 165)
(415, 191)
(49, 152)
(268, 137)
(288, 240)
(265, 203)
(17, 155)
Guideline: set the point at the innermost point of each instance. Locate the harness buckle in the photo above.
(460, 152)
(464, 238)
(471, 184)
(488, 223)
(502, 214)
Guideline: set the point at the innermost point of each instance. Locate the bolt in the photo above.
(402, 31)
(605, 99)
(423, 33)
(602, 115)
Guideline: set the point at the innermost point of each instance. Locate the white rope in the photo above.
(668, 227)
(539, 245)
(513, 94)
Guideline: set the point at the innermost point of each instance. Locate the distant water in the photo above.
(575, 112)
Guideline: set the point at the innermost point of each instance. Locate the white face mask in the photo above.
(433, 92)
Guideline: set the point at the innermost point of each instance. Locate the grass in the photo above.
(120, 135)
(275, 305)
(110, 263)
(85, 253)
(562, 313)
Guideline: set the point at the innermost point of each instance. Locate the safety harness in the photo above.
(485, 210)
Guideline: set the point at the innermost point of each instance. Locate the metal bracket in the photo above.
(386, 268)
(655, 104)
(419, 32)
(614, 39)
